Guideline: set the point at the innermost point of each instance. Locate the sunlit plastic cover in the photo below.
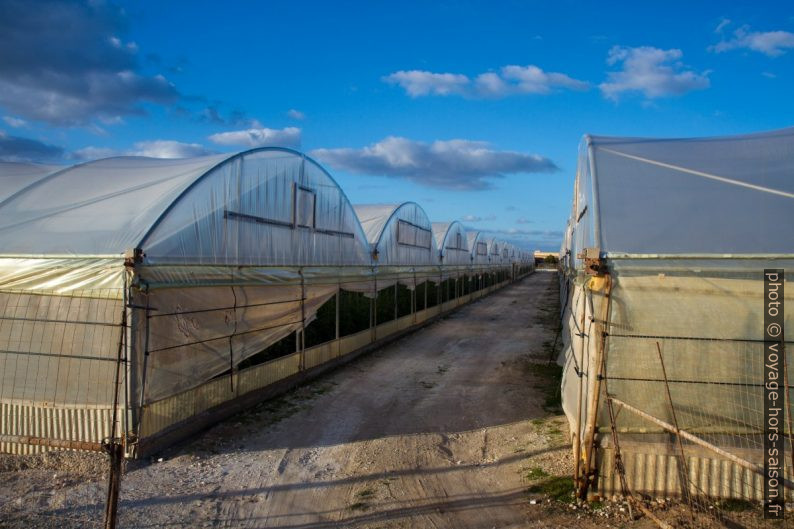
(478, 247)
(399, 234)
(265, 207)
(452, 243)
(494, 251)
(15, 176)
(726, 195)
(98, 208)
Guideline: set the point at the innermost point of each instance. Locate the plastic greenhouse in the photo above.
(143, 299)
(663, 261)
(453, 247)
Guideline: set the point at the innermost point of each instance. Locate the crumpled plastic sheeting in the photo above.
(197, 333)
(67, 276)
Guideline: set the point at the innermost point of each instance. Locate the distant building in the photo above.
(540, 256)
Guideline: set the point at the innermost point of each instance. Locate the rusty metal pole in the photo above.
(684, 469)
(113, 445)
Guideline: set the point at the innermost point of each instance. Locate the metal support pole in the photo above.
(683, 468)
(577, 441)
(413, 299)
(113, 445)
(373, 303)
(336, 324)
(427, 284)
(302, 342)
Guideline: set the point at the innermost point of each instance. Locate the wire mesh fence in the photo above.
(682, 393)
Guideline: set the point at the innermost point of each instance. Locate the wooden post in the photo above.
(595, 374)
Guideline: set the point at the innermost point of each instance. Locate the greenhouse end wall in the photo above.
(693, 327)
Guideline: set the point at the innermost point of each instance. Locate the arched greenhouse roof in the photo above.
(267, 206)
(453, 245)
(478, 247)
(494, 250)
(15, 176)
(398, 234)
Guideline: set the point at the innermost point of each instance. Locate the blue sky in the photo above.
(472, 109)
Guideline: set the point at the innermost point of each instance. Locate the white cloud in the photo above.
(296, 114)
(771, 43)
(259, 137)
(548, 240)
(532, 80)
(475, 218)
(452, 164)
(94, 153)
(151, 149)
(651, 71)
(509, 80)
(14, 122)
(169, 149)
(421, 83)
(722, 25)
(523, 220)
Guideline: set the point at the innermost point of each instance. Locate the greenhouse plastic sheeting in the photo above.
(15, 176)
(453, 245)
(265, 207)
(268, 207)
(399, 234)
(724, 195)
(195, 334)
(478, 247)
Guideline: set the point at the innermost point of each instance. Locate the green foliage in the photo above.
(736, 505)
(283, 347)
(432, 294)
(551, 259)
(353, 312)
(404, 297)
(536, 473)
(385, 305)
(323, 328)
(558, 488)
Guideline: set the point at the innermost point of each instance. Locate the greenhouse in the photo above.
(143, 299)
(664, 258)
(454, 256)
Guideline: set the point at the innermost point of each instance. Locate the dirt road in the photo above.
(444, 428)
